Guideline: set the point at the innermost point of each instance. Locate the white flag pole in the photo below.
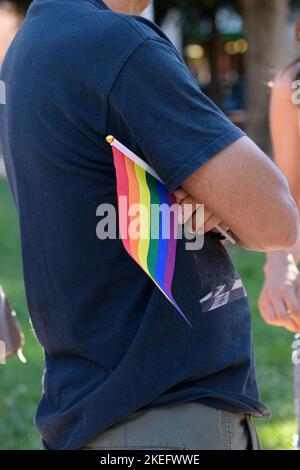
(115, 143)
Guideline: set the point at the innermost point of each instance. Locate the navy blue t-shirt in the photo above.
(113, 343)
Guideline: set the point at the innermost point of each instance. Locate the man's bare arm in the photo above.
(249, 194)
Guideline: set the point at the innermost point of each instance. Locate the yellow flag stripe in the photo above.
(145, 202)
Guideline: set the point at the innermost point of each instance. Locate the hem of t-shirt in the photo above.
(227, 401)
(207, 153)
(222, 400)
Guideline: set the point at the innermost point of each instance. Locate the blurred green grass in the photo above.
(20, 384)
(274, 365)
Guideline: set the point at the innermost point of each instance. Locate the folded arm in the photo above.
(247, 192)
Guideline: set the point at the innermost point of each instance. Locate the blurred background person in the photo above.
(12, 14)
(10, 19)
(280, 298)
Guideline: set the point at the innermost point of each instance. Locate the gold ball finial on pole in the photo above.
(110, 139)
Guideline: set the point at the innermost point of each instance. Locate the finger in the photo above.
(290, 299)
(211, 223)
(207, 214)
(180, 214)
(284, 316)
(180, 194)
(189, 206)
(200, 219)
(268, 313)
(266, 309)
(291, 326)
(186, 208)
(279, 308)
(224, 226)
(292, 306)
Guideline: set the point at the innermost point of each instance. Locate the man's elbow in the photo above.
(285, 225)
(291, 236)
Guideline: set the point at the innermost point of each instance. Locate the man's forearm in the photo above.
(246, 191)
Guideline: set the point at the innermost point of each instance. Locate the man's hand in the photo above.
(189, 206)
(279, 302)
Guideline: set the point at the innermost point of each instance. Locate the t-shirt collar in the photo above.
(100, 4)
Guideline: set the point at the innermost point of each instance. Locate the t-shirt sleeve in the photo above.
(176, 126)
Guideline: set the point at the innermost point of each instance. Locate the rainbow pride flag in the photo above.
(138, 183)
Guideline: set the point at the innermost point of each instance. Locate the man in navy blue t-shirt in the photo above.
(123, 369)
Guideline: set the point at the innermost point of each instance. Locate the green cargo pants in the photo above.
(190, 426)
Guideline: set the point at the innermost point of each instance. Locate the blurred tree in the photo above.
(193, 9)
(20, 5)
(265, 24)
(265, 27)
